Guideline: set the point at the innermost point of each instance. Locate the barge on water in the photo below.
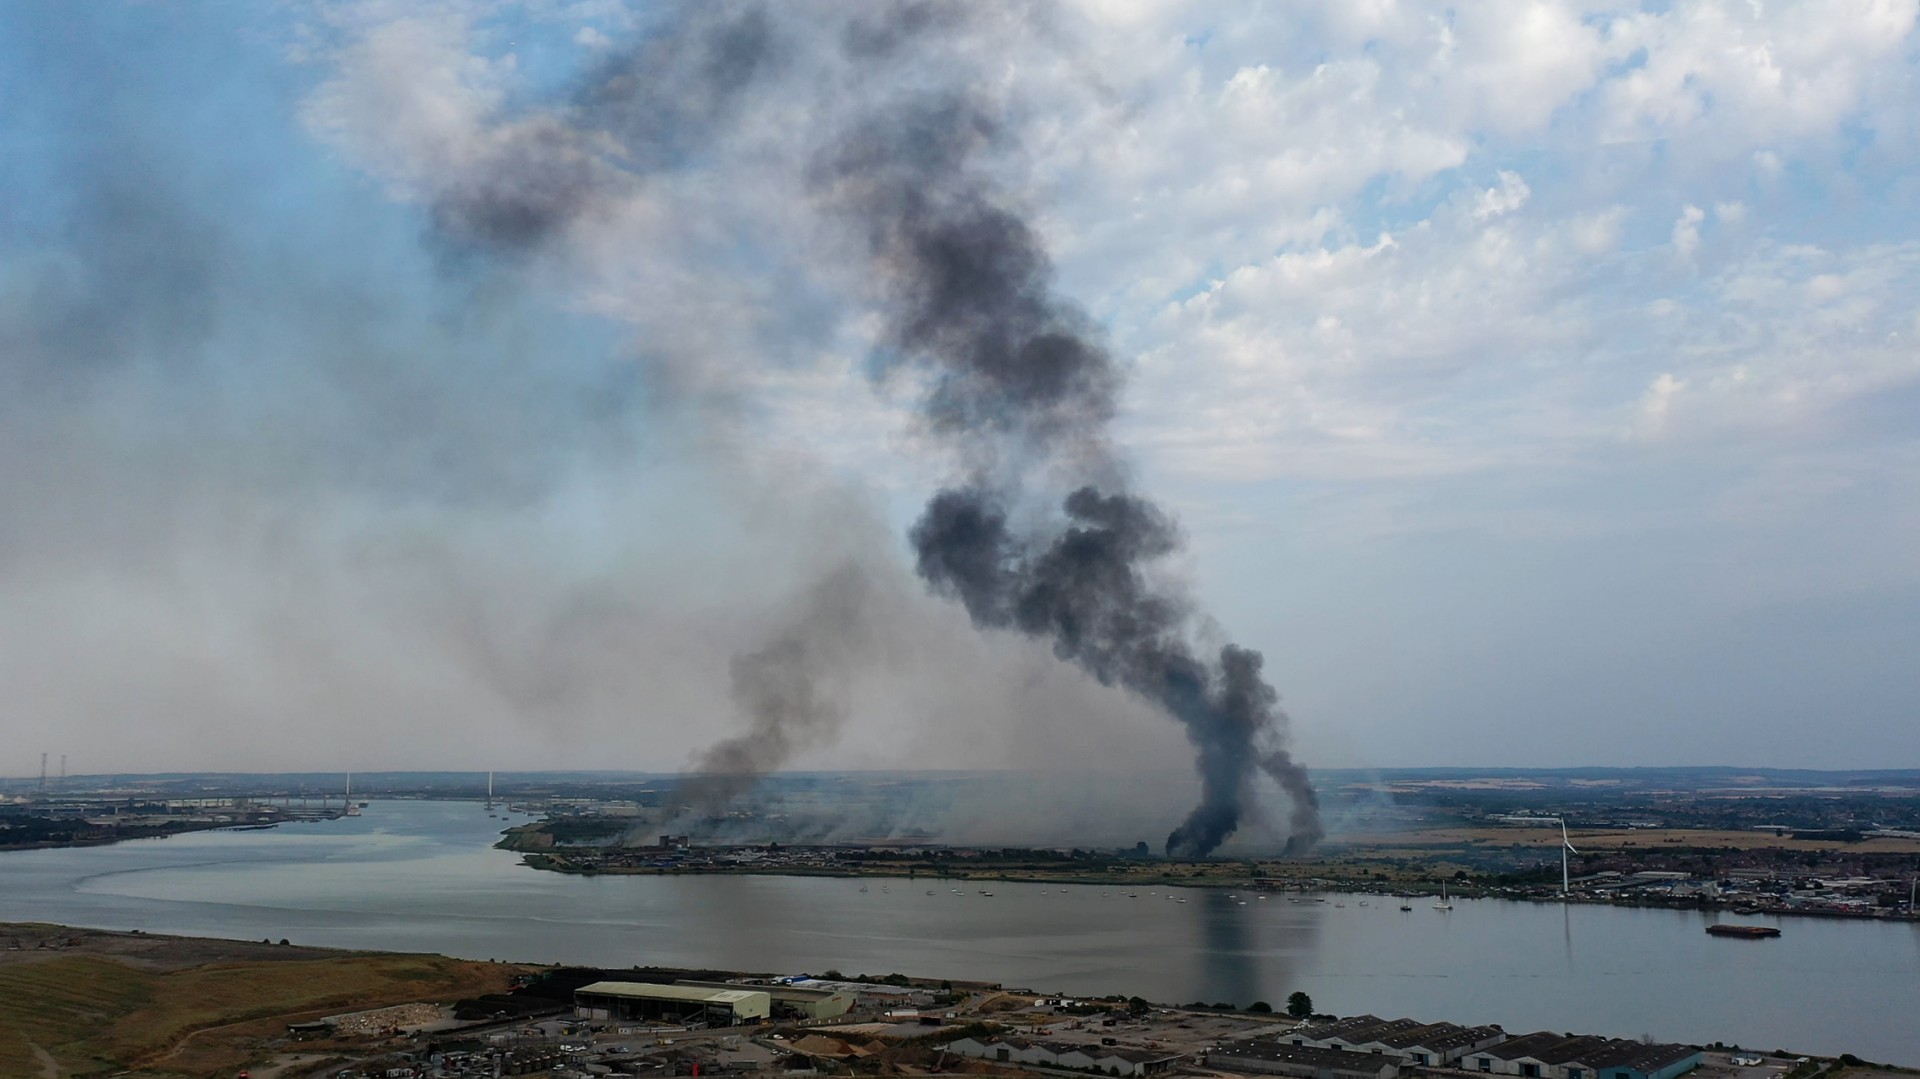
(1745, 932)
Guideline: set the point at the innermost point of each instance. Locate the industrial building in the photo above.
(1107, 1059)
(792, 1001)
(1547, 1055)
(650, 1002)
(1488, 1049)
(1269, 1057)
(1339, 1033)
(1438, 1044)
(1410, 1040)
(1366, 1038)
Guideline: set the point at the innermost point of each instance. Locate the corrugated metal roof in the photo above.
(1339, 1059)
(653, 991)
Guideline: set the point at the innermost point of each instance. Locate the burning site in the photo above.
(900, 175)
(912, 537)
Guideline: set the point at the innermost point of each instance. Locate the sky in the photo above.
(462, 384)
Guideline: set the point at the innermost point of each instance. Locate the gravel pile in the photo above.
(385, 1020)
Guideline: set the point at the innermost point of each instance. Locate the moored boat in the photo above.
(1745, 932)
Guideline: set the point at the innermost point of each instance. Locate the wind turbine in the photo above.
(1566, 848)
(1566, 845)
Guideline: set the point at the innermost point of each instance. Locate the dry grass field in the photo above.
(83, 1002)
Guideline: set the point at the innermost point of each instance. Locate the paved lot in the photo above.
(1721, 1066)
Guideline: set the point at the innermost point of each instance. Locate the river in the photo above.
(422, 876)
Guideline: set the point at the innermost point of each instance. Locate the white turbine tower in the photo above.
(1566, 848)
(1566, 845)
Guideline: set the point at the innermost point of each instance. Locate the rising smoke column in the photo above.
(793, 690)
(1019, 382)
(1042, 534)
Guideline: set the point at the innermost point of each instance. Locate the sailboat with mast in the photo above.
(1445, 903)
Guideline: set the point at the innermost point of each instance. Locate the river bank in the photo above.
(425, 876)
(970, 866)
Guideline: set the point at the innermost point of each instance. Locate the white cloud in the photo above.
(1686, 231)
(1598, 232)
(1738, 78)
(1504, 199)
(1657, 403)
(1208, 179)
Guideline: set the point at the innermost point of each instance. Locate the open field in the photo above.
(86, 1002)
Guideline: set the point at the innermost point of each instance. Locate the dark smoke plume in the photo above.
(647, 110)
(1020, 381)
(1043, 535)
(793, 691)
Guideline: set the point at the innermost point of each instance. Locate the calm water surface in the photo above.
(420, 876)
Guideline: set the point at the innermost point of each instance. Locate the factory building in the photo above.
(1634, 1060)
(1410, 1040)
(1336, 1034)
(1107, 1059)
(792, 1001)
(1268, 1057)
(648, 1002)
(1437, 1044)
(1367, 1038)
(1547, 1055)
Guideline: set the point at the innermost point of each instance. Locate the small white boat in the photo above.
(1443, 904)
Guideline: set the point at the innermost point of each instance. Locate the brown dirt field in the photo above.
(101, 1002)
(31, 942)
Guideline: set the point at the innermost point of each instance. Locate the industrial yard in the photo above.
(79, 1002)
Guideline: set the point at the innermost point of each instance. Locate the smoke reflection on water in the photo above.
(1227, 963)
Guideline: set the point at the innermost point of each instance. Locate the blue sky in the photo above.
(1537, 383)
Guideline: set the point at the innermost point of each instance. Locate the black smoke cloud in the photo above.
(1021, 383)
(793, 691)
(647, 110)
(1042, 534)
(1082, 584)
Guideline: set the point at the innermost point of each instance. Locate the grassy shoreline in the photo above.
(1420, 881)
